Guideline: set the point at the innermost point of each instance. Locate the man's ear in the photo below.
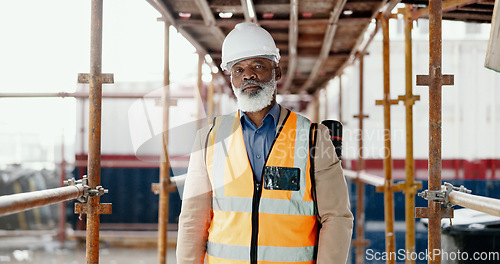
(277, 72)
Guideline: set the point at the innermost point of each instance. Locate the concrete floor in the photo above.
(44, 250)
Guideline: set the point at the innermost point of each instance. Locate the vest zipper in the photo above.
(255, 222)
(256, 200)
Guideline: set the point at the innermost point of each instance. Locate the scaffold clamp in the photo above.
(443, 195)
(87, 191)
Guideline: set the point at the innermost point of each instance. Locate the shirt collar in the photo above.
(274, 113)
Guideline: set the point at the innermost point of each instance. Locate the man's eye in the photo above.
(238, 70)
(259, 66)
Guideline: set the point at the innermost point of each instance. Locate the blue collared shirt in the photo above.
(258, 140)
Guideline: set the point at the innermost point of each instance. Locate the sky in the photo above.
(45, 44)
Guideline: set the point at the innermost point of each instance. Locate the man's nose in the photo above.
(249, 75)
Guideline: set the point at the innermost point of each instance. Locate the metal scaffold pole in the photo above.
(93, 208)
(198, 94)
(388, 187)
(62, 206)
(210, 99)
(409, 187)
(435, 212)
(360, 242)
(164, 162)
(435, 108)
(94, 156)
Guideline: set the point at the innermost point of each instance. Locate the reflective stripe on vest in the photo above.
(287, 228)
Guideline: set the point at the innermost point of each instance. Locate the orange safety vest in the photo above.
(251, 224)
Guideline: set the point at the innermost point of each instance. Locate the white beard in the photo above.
(257, 100)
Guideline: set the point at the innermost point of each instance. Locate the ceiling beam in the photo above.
(387, 10)
(293, 35)
(477, 8)
(209, 19)
(486, 2)
(468, 17)
(356, 49)
(449, 5)
(230, 23)
(163, 10)
(327, 43)
(167, 16)
(248, 6)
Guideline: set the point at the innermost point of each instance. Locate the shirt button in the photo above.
(257, 131)
(258, 156)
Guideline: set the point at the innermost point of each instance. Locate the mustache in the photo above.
(247, 82)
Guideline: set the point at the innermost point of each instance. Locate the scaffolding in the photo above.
(88, 190)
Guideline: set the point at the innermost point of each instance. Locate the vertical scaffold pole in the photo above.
(360, 242)
(210, 99)
(199, 93)
(94, 156)
(434, 212)
(62, 206)
(388, 187)
(409, 187)
(164, 162)
(409, 163)
(388, 195)
(435, 94)
(93, 208)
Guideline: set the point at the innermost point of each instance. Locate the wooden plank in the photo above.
(327, 44)
(448, 6)
(493, 53)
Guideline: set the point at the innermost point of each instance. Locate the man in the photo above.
(254, 194)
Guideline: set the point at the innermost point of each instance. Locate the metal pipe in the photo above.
(479, 203)
(361, 160)
(210, 99)
(388, 194)
(166, 83)
(86, 95)
(14, 203)
(410, 161)
(435, 78)
(62, 206)
(164, 164)
(360, 186)
(198, 92)
(94, 158)
(364, 177)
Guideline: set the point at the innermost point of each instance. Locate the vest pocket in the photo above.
(281, 178)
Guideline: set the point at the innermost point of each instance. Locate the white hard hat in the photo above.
(247, 40)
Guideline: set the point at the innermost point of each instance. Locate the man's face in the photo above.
(257, 69)
(254, 83)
